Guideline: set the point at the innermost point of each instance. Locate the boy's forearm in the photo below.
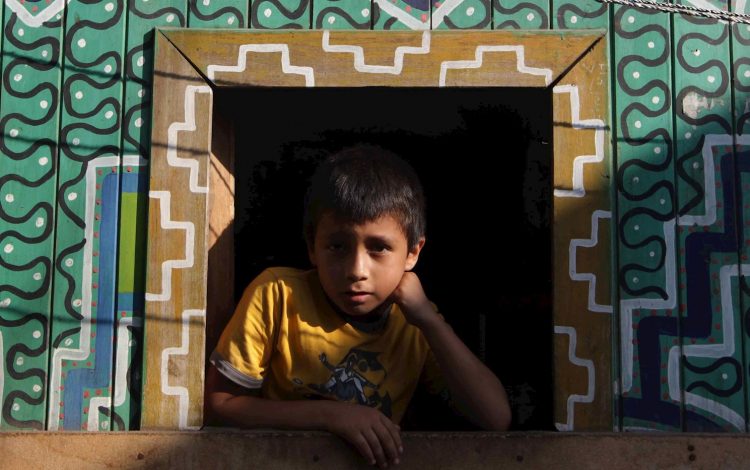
(233, 405)
(477, 391)
(373, 434)
(255, 412)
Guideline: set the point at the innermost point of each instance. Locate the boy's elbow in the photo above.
(502, 423)
(216, 401)
(217, 406)
(499, 421)
(231, 410)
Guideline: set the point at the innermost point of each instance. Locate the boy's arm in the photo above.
(476, 390)
(374, 435)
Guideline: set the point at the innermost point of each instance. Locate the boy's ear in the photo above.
(413, 255)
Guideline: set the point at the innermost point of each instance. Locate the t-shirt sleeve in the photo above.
(243, 353)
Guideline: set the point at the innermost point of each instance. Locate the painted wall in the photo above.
(74, 123)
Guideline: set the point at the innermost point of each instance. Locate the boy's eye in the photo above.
(379, 248)
(335, 247)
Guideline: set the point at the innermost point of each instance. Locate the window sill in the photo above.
(230, 448)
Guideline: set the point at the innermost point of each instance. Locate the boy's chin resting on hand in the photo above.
(415, 305)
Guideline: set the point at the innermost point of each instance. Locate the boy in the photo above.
(357, 332)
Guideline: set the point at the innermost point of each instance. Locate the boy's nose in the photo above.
(358, 266)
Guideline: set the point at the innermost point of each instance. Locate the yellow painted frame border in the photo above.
(190, 64)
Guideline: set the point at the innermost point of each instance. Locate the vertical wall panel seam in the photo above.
(550, 12)
(53, 267)
(616, 372)
(115, 301)
(738, 207)
(676, 208)
(2, 63)
(249, 19)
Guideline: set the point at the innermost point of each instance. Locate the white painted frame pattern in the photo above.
(292, 61)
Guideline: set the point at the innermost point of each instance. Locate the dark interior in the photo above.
(484, 156)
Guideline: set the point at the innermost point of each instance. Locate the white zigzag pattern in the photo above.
(37, 20)
(445, 9)
(589, 365)
(359, 55)
(166, 222)
(725, 349)
(286, 65)
(187, 125)
(588, 277)
(703, 350)
(479, 58)
(575, 109)
(182, 350)
(121, 364)
(121, 370)
(83, 351)
(402, 16)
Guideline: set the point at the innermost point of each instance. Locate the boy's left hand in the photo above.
(410, 296)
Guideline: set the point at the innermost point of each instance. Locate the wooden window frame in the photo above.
(190, 262)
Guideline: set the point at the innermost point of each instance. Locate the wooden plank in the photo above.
(521, 14)
(228, 448)
(177, 251)
(342, 14)
(400, 15)
(740, 287)
(578, 14)
(740, 44)
(707, 236)
(143, 17)
(280, 14)
(469, 14)
(129, 311)
(221, 252)
(217, 14)
(28, 152)
(741, 76)
(86, 232)
(544, 57)
(136, 141)
(645, 190)
(582, 312)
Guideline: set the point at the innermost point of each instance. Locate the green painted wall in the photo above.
(74, 124)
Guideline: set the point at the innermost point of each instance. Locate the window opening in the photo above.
(484, 156)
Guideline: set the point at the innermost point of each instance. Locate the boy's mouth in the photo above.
(357, 296)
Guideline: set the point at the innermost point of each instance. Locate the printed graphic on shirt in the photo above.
(356, 378)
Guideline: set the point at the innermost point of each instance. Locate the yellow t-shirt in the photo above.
(286, 339)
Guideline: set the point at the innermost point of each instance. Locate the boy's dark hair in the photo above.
(362, 183)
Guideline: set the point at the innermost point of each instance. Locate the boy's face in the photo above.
(360, 265)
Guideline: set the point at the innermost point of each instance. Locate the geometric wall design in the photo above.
(189, 65)
(653, 269)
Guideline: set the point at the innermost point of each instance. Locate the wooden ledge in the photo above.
(292, 450)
